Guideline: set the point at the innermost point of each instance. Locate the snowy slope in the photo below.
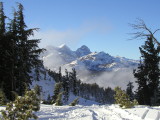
(54, 57)
(101, 61)
(46, 82)
(96, 112)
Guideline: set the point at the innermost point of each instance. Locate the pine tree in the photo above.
(2, 98)
(12, 33)
(142, 91)
(66, 87)
(129, 90)
(57, 90)
(22, 108)
(73, 81)
(122, 99)
(22, 35)
(6, 53)
(74, 102)
(59, 100)
(148, 73)
(38, 91)
(25, 52)
(158, 95)
(49, 100)
(2, 41)
(59, 75)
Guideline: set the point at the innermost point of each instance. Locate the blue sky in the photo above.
(102, 25)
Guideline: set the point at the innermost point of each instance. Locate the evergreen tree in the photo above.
(57, 90)
(73, 81)
(87, 91)
(122, 99)
(148, 73)
(38, 90)
(142, 91)
(2, 19)
(2, 41)
(66, 86)
(22, 108)
(129, 90)
(22, 35)
(59, 100)
(2, 98)
(49, 100)
(59, 75)
(74, 102)
(26, 50)
(6, 53)
(109, 96)
(18, 54)
(158, 95)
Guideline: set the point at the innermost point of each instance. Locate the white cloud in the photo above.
(109, 79)
(71, 36)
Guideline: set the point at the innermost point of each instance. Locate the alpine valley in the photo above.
(91, 67)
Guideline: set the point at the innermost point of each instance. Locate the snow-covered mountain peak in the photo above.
(87, 62)
(64, 47)
(97, 56)
(83, 50)
(94, 61)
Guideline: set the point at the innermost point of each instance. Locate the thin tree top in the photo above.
(144, 31)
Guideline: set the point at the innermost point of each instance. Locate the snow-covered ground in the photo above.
(97, 112)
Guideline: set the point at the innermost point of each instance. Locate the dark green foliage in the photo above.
(14, 95)
(49, 99)
(56, 76)
(158, 95)
(18, 54)
(59, 100)
(129, 90)
(123, 99)
(73, 82)
(142, 91)
(57, 90)
(74, 102)
(22, 108)
(84, 90)
(2, 98)
(5, 53)
(37, 90)
(2, 19)
(148, 73)
(66, 86)
(108, 96)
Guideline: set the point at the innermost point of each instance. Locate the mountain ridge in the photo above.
(92, 67)
(96, 61)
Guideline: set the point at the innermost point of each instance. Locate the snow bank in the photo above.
(96, 112)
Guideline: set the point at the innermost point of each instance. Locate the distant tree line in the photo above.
(72, 85)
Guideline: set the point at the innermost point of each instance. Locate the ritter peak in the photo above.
(82, 51)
